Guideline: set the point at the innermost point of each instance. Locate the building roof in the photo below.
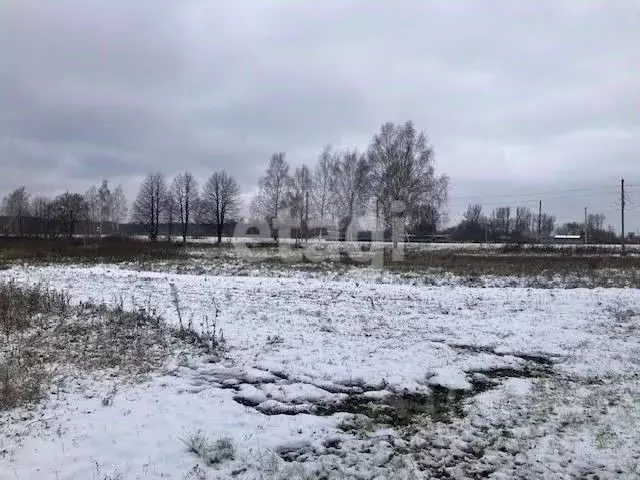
(567, 237)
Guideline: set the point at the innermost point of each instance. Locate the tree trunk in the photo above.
(185, 227)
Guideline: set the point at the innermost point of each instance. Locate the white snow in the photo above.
(294, 343)
(449, 377)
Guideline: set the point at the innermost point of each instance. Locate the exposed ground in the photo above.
(327, 370)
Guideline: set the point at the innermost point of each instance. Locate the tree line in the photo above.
(100, 209)
(393, 181)
(521, 224)
(182, 203)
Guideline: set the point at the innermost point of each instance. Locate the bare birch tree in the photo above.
(92, 201)
(16, 207)
(185, 193)
(220, 200)
(403, 173)
(104, 198)
(170, 213)
(350, 187)
(272, 194)
(299, 192)
(321, 194)
(148, 209)
(118, 208)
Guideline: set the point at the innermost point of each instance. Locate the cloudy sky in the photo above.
(522, 100)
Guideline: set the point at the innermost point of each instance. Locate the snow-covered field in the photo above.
(326, 378)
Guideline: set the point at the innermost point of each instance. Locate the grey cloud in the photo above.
(542, 95)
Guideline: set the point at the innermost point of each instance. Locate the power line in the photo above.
(548, 192)
(460, 201)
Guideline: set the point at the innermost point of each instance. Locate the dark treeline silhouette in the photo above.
(98, 211)
(520, 225)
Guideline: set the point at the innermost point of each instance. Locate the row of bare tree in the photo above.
(394, 177)
(98, 207)
(181, 202)
(520, 224)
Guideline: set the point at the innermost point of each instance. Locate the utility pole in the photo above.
(586, 227)
(624, 250)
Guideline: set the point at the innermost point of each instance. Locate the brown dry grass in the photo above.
(44, 337)
(108, 249)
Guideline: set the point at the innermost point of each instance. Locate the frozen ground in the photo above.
(325, 378)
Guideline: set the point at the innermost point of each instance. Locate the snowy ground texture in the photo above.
(325, 378)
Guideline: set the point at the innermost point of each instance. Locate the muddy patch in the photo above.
(538, 359)
(382, 406)
(275, 393)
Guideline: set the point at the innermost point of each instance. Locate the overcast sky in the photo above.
(521, 100)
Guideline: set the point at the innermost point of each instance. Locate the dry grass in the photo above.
(209, 451)
(95, 250)
(537, 269)
(44, 337)
(515, 264)
(20, 306)
(22, 371)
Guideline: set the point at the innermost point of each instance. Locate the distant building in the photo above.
(567, 238)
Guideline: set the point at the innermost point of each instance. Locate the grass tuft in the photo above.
(211, 452)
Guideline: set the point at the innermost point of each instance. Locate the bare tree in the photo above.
(429, 216)
(150, 204)
(273, 188)
(298, 199)
(104, 199)
(473, 226)
(596, 229)
(501, 222)
(321, 195)
(42, 212)
(170, 212)
(118, 208)
(93, 213)
(220, 200)
(16, 207)
(473, 215)
(522, 222)
(185, 193)
(595, 222)
(402, 170)
(350, 186)
(547, 224)
(68, 210)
